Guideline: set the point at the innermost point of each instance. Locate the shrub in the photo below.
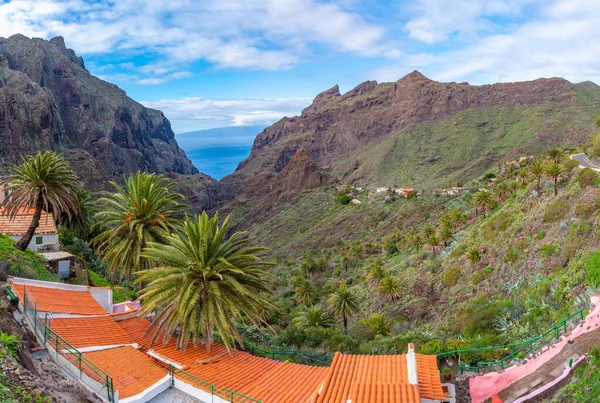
(548, 250)
(587, 177)
(584, 210)
(555, 211)
(540, 235)
(478, 276)
(592, 277)
(344, 199)
(451, 277)
(571, 164)
(10, 342)
(499, 224)
(512, 255)
(519, 244)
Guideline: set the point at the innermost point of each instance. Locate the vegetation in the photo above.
(142, 210)
(343, 303)
(203, 281)
(44, 182)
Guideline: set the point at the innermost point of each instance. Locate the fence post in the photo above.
(35, 319)
(80, 373)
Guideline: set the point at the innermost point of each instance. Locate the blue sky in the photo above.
(232, 62)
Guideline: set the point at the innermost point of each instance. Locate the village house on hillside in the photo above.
(453, 191)
(45, 240)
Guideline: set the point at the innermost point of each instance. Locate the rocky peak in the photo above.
(301, 172)
(322, 99)
(362, 88)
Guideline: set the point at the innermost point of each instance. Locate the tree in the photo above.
(537, 169)
(375, 274)
(556, 155)
(587, 177)
(377, 324)
(145, 209)
(343, 302)
(305, 292)
(428, 231)
(314, 317)
(390, 288)
(434, 243)
(44, 182)
(416, 240)
(483, 200)
(446, 235)
(457, 217)
(554, 171)
(203, 282)
(474, 255)
(81, 223)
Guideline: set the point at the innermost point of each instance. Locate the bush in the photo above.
(587, 177)
(592, 277)
(478, 276)
(451, 277)
(584, 210)
(512, 255)
(570, 165)
(540, 235)
(556, 211)
(344, 199)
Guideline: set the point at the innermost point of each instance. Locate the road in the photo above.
(584, 162)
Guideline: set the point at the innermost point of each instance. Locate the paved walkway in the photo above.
(174, 396)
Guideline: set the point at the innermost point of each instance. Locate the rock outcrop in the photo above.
(49, 101)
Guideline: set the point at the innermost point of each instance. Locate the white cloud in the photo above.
(188, 114)
(253, 34)
(561, 41)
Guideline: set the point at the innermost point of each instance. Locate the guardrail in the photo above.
(298, 356)
(524, 347)
(49, 338)
(224, 393)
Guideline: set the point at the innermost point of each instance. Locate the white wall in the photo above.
(51, 239)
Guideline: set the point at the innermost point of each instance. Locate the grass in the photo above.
(24, 263)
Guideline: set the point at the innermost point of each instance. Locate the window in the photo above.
(39, 240)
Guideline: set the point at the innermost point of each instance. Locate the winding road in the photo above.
(585, 162)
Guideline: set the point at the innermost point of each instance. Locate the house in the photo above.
(453, 191)
(45, 240)
(114, 355)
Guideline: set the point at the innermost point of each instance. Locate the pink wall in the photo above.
(484, 386)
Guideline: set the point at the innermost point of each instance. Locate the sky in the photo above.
(216, 63)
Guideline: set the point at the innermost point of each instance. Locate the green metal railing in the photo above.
(301, 357)
(48, 337)
(524, 347)
(224, 393)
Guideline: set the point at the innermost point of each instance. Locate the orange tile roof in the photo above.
(132, 371)
(136, 329)
(263, 379)
(60, 301)
(19, 224)
(430, 385)
(89, 332)
(379, 379)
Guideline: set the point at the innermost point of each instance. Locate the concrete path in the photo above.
(174, 396)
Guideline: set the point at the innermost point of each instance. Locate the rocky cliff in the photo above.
(49, 101)
(417, 132)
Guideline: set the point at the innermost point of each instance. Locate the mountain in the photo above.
(49, 101)
(218, 151)
(420, 133)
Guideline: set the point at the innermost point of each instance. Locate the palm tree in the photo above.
(375, 274)
(343, 302)
(145, 209)
(416, 240)
(457, 217)
(305, 292)
(434, 243)
(203, 282)
(556, 155)
(474, 255)
(44, 182)
(82, 222)
(390, 288)
(314, 317)
(428, 231)
(483, 200)
(555, 170)
(537, 169)
(446, 235)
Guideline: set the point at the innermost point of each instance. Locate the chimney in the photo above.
(411, 365)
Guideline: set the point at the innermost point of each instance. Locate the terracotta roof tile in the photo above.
(89, 332)
(132, 371)
(19, 224)
(60, 301)
(430, 385)
(379, 379)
